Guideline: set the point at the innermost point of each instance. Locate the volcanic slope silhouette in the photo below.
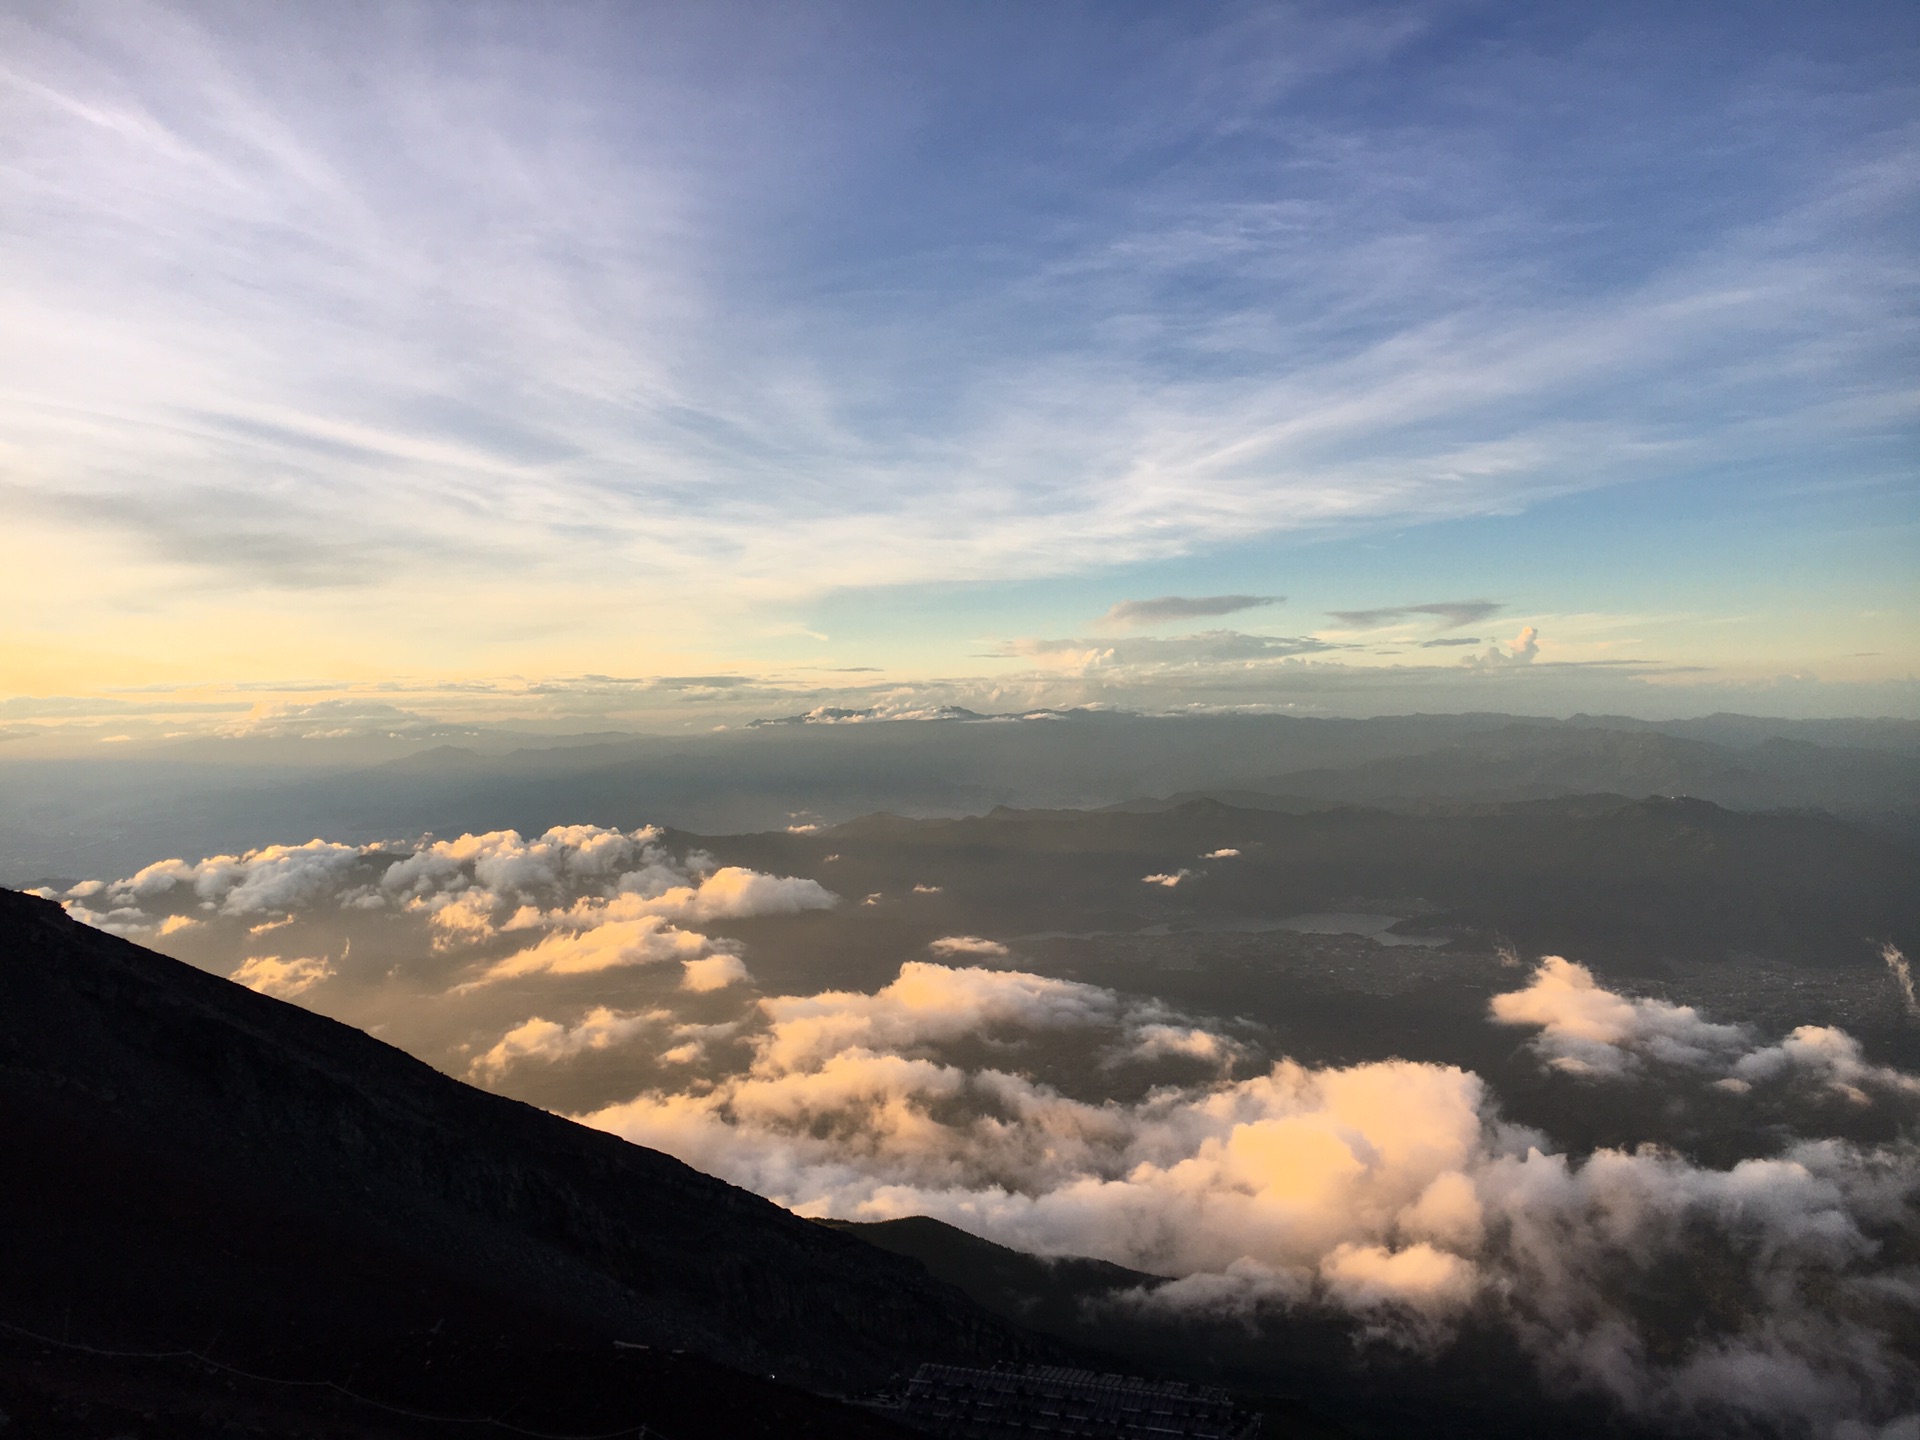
(230, 1194)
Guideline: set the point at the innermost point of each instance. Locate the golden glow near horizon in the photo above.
(349, 377)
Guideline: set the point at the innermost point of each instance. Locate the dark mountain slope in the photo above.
(1313, 1374)
(191, 1164)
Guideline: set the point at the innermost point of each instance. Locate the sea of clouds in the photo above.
(1065, 1118)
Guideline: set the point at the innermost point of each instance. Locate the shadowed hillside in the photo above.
(192, 1166)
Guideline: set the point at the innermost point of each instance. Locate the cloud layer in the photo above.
(1066, 1118)
(1391, 1191)
(1589, 1031)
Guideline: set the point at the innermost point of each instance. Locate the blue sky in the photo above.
(872, 353)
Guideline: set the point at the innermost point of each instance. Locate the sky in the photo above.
(645, 366)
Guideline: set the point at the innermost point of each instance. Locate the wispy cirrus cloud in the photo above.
(1451, 614)
(1131, 614)
(1205, 647)
(620, 348)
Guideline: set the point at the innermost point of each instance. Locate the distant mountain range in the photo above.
(107, 816)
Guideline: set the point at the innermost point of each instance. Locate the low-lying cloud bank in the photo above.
(1589, 1031)
(1392, 1191)
(1779, 1293)
(575, 900)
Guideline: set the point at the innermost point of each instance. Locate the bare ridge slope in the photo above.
(191, 1163)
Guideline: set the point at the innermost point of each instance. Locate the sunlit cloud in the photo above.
(283, 979)
(1390, 1191)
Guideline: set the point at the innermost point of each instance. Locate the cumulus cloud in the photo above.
(283, 979)
(1367, 1277)
(1168, 879)
(646, 941)
(1392, 1191)
(1586, 1029)
(1523, 651)
(1828, 1057)
(608, 898)
(1153, 1042)
(1451, 614)
(1128, 614)
(929, 1002)
(728, 893)
(714, 972)
(565, 859)
(275, 878)
(545, 1042)
(847, 1107)
(1224, 853)
(126, 920)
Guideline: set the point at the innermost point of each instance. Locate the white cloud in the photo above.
(1168, 879)
(1523, 651)
(646, 941)
(714, 972)
(564, 859)
(1224, 853)
(274, 878)
(1152, 1042)
(964, 945)
(612, 898)
(1589, 1030)
(1367, 1277)
(1829, 1057)
(283, 979)
(928, 1003)
(545, 1042)
(1392, 1190)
